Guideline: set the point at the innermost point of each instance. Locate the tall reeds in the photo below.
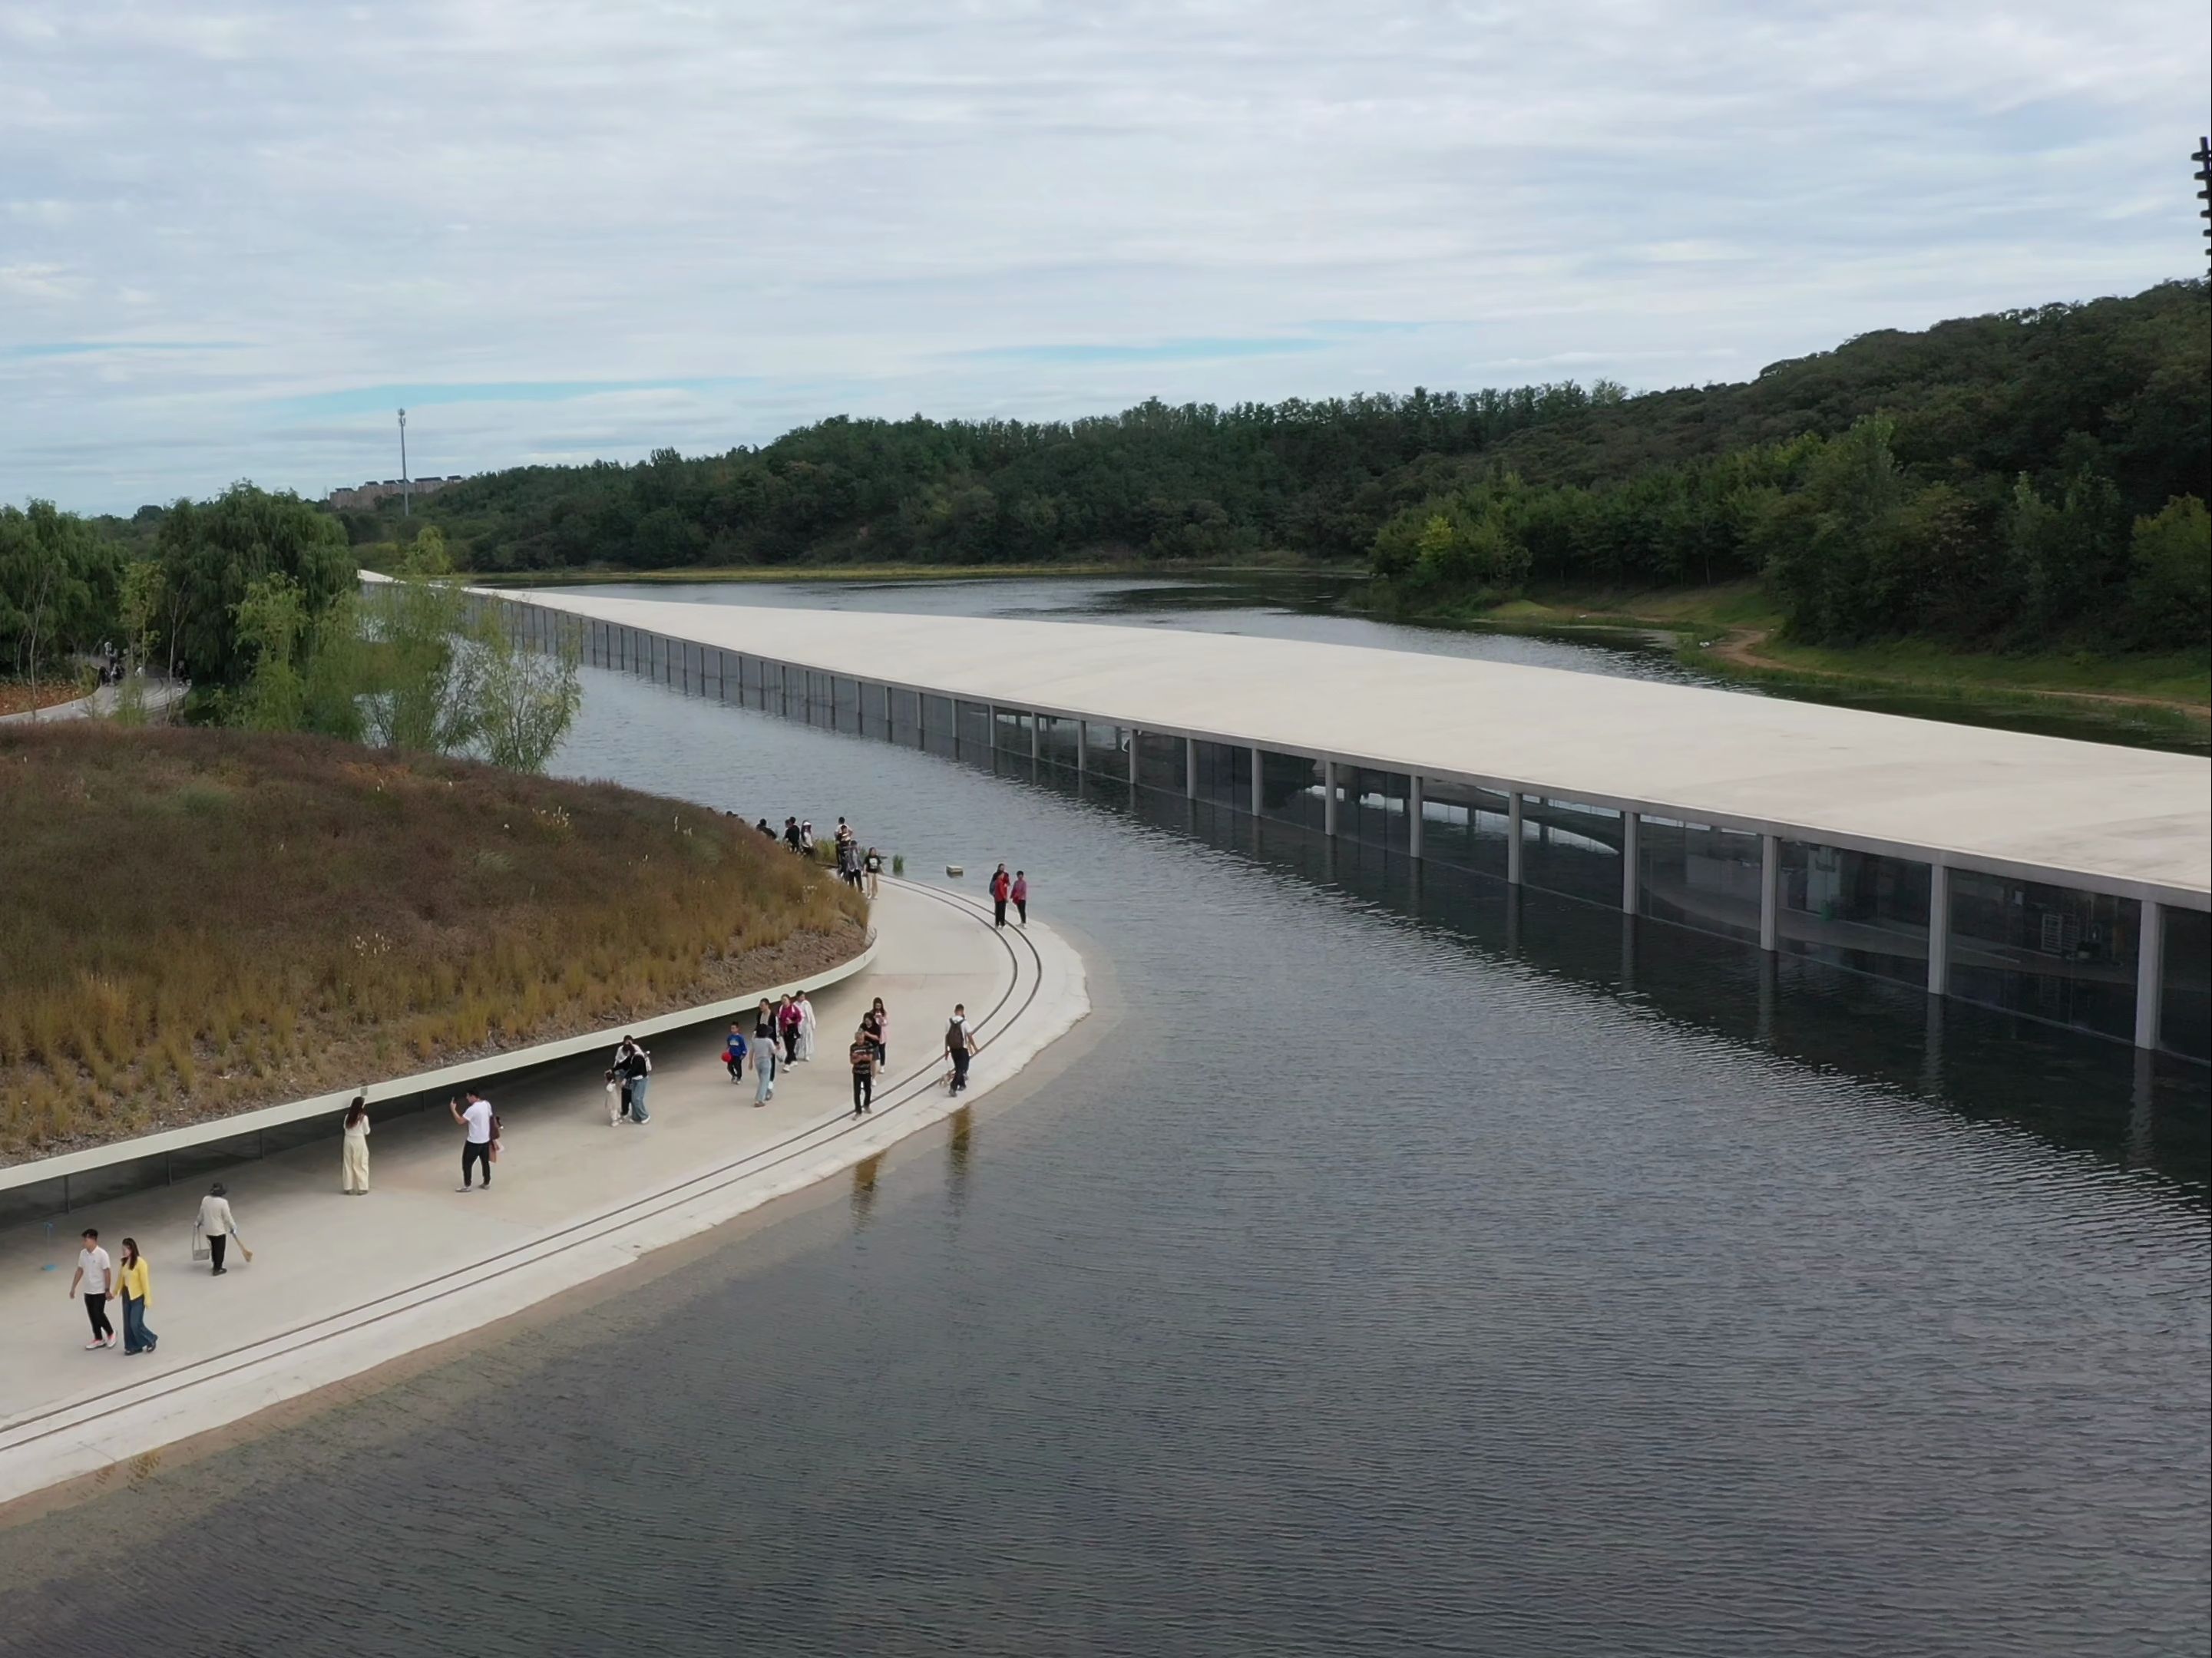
(193, 922)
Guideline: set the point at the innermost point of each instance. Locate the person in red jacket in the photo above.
(1001, 884)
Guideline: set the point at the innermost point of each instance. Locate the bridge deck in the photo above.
(2114, 819)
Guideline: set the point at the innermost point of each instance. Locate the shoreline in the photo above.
(68, 1437)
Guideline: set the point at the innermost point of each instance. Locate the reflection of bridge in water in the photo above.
(2066, 881)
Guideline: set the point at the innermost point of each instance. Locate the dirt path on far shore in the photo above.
(1741, 648)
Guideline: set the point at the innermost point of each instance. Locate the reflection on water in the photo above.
(1401, 1265)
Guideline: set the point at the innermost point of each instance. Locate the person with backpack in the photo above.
(959, 1046)
(1001, 885)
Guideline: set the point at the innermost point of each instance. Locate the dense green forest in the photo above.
(1981, 481)
(2027, 480)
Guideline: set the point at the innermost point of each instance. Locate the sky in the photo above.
(236, 235)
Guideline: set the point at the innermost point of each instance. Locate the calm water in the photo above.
(1391, 1270)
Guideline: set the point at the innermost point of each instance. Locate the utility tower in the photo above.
(406, 490)
(2204, 159)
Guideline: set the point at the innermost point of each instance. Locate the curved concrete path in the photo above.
(341, 1284)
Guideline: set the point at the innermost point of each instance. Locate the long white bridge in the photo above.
(2063, 880)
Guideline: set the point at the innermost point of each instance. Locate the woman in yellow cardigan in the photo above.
(136, 1280)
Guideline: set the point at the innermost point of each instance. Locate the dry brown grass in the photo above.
(194, 922)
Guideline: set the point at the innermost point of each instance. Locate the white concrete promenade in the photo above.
(340, 1285)
(446, 1079)
(2111, 819)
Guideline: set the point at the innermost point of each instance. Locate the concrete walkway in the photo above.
(340, 1285)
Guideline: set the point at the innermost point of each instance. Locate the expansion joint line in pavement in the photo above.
(914, 1085)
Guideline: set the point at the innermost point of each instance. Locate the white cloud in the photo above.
(878, 208)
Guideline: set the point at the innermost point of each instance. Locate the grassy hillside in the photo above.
(200, 921)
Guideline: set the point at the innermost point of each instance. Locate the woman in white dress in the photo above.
(806, 1027)
(353, 1170)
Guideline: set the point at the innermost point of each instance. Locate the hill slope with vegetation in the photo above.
(208, 920)
(2020, 479)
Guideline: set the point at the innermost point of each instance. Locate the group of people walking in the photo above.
(99, 1279)
(857, 866)
(783, 1035)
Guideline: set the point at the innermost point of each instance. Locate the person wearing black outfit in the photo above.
(862, 1054)
(959, 1046)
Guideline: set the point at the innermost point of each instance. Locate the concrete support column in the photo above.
(1258, 772)
(2150, 973)
(1136, 737)
(1037, 735)
(1513, 837)
(1328, 798)
(1413, 804)
(1082, 746)
(1939, 930)
(1632, 852)
(1770, 891)
(1190, 768)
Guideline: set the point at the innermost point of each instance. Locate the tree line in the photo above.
(2026, 478)
(2023, 479)
(256, 599)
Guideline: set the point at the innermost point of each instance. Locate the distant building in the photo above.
(368, 495)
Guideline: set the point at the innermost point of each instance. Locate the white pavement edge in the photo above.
(350, 1343)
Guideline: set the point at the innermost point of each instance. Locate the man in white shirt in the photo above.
(480, 1126)
(96, 1274)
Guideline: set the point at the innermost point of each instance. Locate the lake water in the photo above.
(1386, 1269)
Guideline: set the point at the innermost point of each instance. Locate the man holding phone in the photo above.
(480, 1130)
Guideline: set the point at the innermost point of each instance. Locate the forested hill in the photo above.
(1979, 478)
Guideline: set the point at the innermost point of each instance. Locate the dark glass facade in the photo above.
(1572, 848)
(1224, 775)
(1700, 877)
(2052, 953)
(1159, 762)
(1854, 910)
(1465, 827)
(2185, 1010)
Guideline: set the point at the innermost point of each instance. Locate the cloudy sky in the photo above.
(235, 234)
